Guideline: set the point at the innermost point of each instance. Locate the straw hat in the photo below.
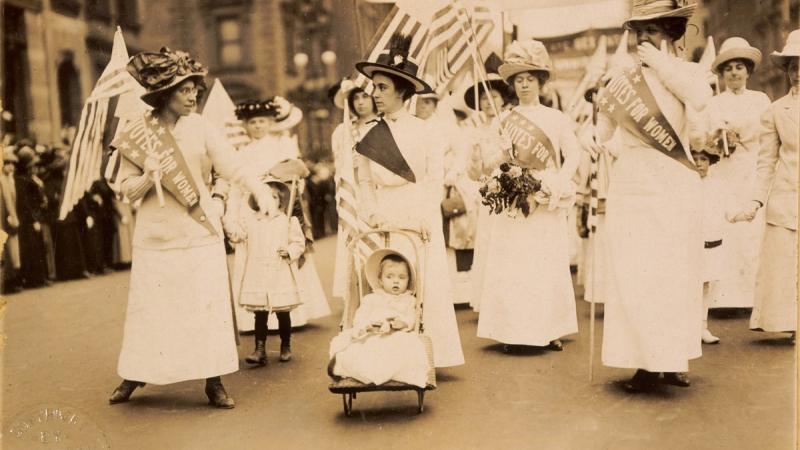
(433, 94)
(159, 71)
(283, 194)
(271, 107)
(647, 10)
(372, 268)
(736, 48)
(396, 61)
(525, 57)
(790, 50)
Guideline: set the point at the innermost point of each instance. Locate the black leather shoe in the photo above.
(259, 355)
(676, 379)
(642, 381)
(286, 352)
(556, 345)
(123, 392)
(218, 397)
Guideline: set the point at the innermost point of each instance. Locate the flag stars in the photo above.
(611, 108)
(637, 78)
(603, 101)
(154, 121)
(135, 154)
(161, 131)
(125, 145)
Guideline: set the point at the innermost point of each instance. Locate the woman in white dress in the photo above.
(178, 322)
(653, 214)
(737, 112)
(361, 110)
(527, 296)
(487, 142)
(267, 123)
(775, 306)
(388, 200)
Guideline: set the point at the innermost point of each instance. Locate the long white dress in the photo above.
(407, 205)
(179, 322)
(527, 296)
(259, 157)
(655, 243)
(487, 141)
(742, 240)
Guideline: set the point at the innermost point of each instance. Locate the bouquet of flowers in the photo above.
(510, 188)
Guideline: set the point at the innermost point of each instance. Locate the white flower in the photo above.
(512, 213)
(494, 186)
(515, 171)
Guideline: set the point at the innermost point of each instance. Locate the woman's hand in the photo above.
(398, 324)
(283, 253)
(653, 57)
(233, 229)
(747, 213)
(152, 167)
(217, 207)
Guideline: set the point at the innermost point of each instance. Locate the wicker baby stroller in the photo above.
(349, 388)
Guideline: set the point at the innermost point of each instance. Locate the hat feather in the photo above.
(399, 46)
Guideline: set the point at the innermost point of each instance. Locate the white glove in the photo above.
(152, 167)
(744, 214)
(658, 59)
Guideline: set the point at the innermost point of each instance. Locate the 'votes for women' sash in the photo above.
(144, 136)
(627, 98)
(532, 148)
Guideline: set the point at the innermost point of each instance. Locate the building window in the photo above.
(99, 9)
(69, 91)
(128, 13)
(230, 52)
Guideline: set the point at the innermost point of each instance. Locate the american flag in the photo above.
(100, 118)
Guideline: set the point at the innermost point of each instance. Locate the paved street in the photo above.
(62, 345)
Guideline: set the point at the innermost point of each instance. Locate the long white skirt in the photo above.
(527, 295)
(776, 289)
(179, 322)
(461, 281)
(596, 264)
(654, 302)
(482, 237)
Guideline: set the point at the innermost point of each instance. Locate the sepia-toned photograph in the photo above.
(410, 224)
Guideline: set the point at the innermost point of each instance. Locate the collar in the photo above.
(394, 116)
(795, 91)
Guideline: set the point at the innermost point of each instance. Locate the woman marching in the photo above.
(266, 123)
(527, 296)
(737, 113)
(775, 307)
(179, 322)
(653, 213)
(400, 187)
(487, 140)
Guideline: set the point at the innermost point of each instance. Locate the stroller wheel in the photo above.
(420, 401)
(347, 403)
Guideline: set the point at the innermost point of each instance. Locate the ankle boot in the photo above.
(259, 355)
(123, 392)
(286, 351)
(216, 394)
(641, 381)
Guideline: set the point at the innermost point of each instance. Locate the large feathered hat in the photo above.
(396, 61)
(159, 71)
(647, 10)
(525, 56)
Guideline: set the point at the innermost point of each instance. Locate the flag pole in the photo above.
(593, 235)
(725, 130)
(151, 152)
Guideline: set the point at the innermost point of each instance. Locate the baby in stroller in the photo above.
(382, 344)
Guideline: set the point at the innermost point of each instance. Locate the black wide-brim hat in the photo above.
(158, 72)
(395, 61)
(495, 83)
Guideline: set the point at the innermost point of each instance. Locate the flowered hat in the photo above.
(372, 268)
(790, 50)
(396, 61)
(159, 71)
(736, 48)
(647, 10)
(271, 107)
(493, 80)
(525, 57)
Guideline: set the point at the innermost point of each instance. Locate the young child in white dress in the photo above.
(274, 243)
(713, 227)
(382, 345)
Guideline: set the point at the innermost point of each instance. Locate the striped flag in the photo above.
(221, 111)
(100, 118)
